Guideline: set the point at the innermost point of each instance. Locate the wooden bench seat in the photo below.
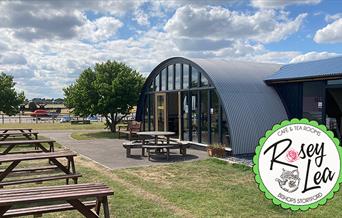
(15, 159)
(36, 156)
(32, 169)
(45, 209)
(172, 145)
(80, 122)
(131, 129)
(40, 179)
(71, 194)
(38, 144)
(158, 150)
(28, 135)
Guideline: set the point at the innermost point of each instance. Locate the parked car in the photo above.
(40, 113)
(65, 119)
(92, 118)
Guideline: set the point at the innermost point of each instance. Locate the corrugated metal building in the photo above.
(235, 102)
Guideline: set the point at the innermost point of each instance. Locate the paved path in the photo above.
(110, 153)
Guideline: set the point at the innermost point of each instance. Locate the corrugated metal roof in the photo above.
(251, 106)
(306, 70)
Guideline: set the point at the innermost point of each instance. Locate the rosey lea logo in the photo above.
(298, 164)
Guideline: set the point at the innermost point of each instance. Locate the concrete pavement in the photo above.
(111, 154)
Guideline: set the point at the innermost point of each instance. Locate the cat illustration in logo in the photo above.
(289, 180)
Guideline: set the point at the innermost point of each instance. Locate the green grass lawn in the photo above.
(54, 126)
(207, 188)
(94, 135)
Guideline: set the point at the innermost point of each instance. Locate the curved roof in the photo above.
(328, 68)
(250, 105)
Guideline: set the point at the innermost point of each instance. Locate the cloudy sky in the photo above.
(46, 44)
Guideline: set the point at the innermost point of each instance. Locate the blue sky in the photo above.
(45, 45)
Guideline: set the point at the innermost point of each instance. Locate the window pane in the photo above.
(335, 82)
(185, 114)
(152, 112)
(194, 78)
(194, 115)
(163, 79)
(170, 75)
(313, 99)
(214, 112)
(225, 132)
(204, 116)
(152, 88)
(204, 81)
(178, 76)
(185, 76)
(157, 83)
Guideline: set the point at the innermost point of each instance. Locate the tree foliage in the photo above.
(110, 89)
(10, 99)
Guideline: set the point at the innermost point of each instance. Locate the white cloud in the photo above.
(141, 18)
(101, 29)
(332, 17)
(332, 33)
(311, 56)
(281, 3)
(219, 23)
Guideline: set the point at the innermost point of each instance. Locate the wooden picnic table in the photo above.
(72, 195)
(36, 143)
(23, 130)
(157, 135)
(27, 135)
(15, 159)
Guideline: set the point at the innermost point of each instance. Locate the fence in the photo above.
(54, 119)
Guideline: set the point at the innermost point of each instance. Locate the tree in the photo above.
(32, 106)
(10, 99)
(110, 89)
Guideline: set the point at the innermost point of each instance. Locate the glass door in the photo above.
(161, 113)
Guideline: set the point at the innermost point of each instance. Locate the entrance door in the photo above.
(161, 113)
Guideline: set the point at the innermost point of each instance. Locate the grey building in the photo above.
(235, 102)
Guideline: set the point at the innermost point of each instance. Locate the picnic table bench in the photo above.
(131, 129)
(159, 149)
(28, 135)
(80, 122)
(4, 130)
(60, 198)
(37, 143)
(15, 159)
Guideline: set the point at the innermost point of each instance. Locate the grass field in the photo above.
(207, 188)
(55, 126)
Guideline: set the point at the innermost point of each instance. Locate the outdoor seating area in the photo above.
(22, 162)
(155, 143)
(130, 130)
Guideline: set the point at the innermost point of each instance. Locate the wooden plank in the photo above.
(26, 142)
(30, 169)
(18, 133)
(36, 156)
(56, 196)
(39, 179)
(37, 190)
(15, 129)
(45, 209)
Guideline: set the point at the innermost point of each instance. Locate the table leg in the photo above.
(98, 205)
(8, 149)
(105, 207)
(9, 169)
(4, 209)
(78, 205)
